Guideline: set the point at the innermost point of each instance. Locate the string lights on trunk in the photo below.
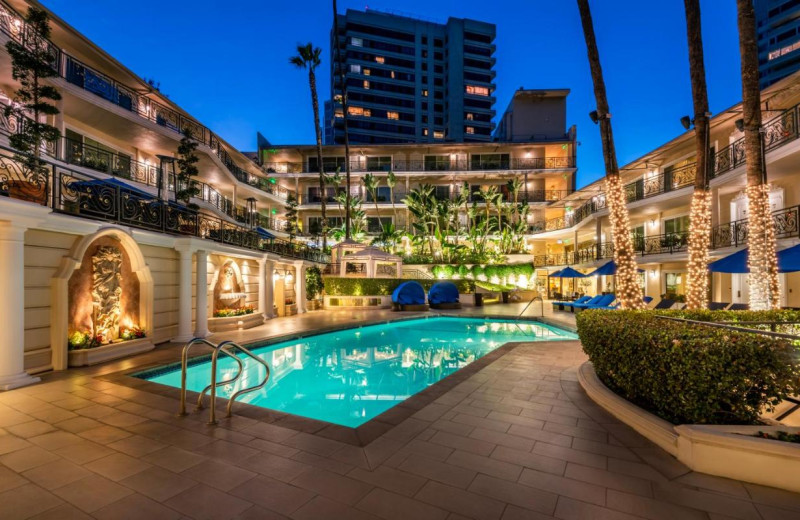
(762, 258)
(699, 236)
(628, 290)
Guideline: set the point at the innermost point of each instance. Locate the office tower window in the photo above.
(359, 111)
(469, 116)
(424, 40)
(424, 118)
(379, 164)
(380, 59)
(424, 131)
(392, 115)
(367, 72)
(366, 84)
(356, 42)
(355, 68)
(424, 66)
(469, 129)
(477, 91)
(424, 92)
(338, 113)
(438, 134)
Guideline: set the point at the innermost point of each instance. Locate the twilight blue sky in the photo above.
(227, 62)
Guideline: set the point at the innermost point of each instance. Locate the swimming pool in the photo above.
(351, 376)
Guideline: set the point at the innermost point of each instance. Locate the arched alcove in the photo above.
(228, 286)
(103, 283)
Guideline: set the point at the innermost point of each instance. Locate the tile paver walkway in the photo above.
(517, 440)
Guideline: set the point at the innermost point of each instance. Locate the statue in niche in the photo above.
(106, 292)
(228, 291)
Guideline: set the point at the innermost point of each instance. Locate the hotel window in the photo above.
(675, 284)
(477, 91)
(470, 116)
(366, 84)
(338, 113)
(367, 72)
(470, 129)
(356, 42)
(391, 74)
(380, 59)
(438, 134)
(441, 192)
(424, 131)
(425, 92)
(392, 115)
(676, 225)
(359, 111)
(355, 68)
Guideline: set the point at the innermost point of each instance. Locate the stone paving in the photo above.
(517, 440)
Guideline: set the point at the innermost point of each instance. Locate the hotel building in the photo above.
(778, 33)
(411, 80)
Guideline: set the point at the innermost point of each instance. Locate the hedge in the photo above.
(381, 286)
(499, 270)
(690, 374)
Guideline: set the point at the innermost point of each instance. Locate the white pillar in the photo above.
(184, 294)
(12, 307)
(269, 289)
(300, 286)
(201, 298)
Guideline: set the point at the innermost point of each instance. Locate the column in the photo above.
(184, 294)
(12, 307)
(300, 286)
(201, 298)
(269, 289)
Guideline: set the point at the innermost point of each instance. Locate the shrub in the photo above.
(313, 282)
(464, 271)
(689, 374)
(335, 286)
(477, 270)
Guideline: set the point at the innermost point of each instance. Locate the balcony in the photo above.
(77, 194)
(83, 76)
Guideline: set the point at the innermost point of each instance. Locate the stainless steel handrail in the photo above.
(222, 383)
(529, 304)
(253, 388)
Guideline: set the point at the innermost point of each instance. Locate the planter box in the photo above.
(313, 305)
(93, 356)
(245, 321)
(728, 451)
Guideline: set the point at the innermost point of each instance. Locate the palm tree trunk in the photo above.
(700, 213)
(628, 291)
(312, 81)
(340, 66)
(762, 257)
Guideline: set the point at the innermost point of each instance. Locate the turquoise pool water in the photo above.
(350, 376)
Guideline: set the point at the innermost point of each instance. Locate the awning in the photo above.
(568, 272)
(111, 183)
(263, 233)
(608, 269)
(788, 262)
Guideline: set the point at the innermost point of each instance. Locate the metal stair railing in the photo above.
(228, 348)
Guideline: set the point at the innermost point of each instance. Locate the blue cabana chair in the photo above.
(444, 295)
(603, 301)
(591, 301)
(409, 296)
(645, 299)
(563, 305)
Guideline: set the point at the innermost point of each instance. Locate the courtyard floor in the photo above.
(517, 439)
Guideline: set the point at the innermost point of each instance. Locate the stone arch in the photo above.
(59, 285)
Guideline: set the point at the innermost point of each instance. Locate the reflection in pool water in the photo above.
(349, 377)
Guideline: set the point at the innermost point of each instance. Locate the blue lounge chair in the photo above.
(717, 306)
(600, 300)
(604, 303)
(646, 300)
(563, 305)
(592, 300)
(739, 307)
(665, 304)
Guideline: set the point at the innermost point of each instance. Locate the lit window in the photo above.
(438, 134)
(478, 91)
(356, 42)
(425, 93)
(470, 129)
(424, 131)
(470, 116)
(392, 115)
(355, 68)
(367, 72)
(338, 113)
(359, 111)
(391, 74)
(380, 59)
(366, 84)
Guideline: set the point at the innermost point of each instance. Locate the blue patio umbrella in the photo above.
(608, 269)
(111, 183)
(569, 272)
(788, 262)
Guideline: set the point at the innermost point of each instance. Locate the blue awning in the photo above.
(263, 233)
(568, 272)
(111, 183)
(608, 269)
(788, 262)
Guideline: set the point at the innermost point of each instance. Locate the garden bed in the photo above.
(93, 356)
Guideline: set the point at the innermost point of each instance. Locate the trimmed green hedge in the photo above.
(381, 286)
(499, 270)
(690, 374)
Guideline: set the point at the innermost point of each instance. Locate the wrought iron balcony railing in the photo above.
(82, 75)
(75, 193)
(444, 165)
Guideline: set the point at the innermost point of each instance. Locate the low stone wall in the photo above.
(728, 451)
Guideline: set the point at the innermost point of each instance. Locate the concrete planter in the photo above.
(93, 356)
(728, 451)
(246, 321)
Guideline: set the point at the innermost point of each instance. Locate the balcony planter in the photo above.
(228, 323)
(93, 356)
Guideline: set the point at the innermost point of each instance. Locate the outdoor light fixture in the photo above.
(739, 124)
(686, 121)
(593, 116)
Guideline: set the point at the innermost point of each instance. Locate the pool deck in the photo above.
(516, 439)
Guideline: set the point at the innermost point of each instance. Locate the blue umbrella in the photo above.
(788, 262)
(608, 269)
(569, 272)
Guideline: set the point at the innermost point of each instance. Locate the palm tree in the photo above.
(308, 58)
(762, 257)
(700, 214)
(370, 183)
(340, 66)
(391, 182)
(629, 293)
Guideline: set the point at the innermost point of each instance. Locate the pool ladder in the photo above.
(228, 348)
(531, 303)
